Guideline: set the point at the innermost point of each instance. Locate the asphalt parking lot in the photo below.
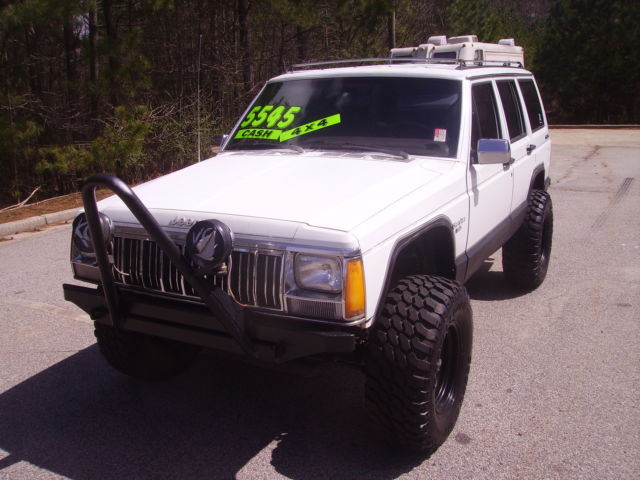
(554, 390)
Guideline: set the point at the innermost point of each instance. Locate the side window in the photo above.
(485, 121)
(512, 109)
(532, 102)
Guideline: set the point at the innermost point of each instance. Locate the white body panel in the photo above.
(329, 191)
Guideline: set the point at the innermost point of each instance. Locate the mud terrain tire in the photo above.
(418, 360)
(525, 257)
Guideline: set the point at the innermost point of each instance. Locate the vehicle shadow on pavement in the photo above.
(490, 285)
(81, 419)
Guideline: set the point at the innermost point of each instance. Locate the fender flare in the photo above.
(402, 243)
(537, 171)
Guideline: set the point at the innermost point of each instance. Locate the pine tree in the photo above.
(587, 62)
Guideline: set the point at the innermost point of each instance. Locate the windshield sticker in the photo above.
(310, 127)
(270, 116)
(440, 135)
(263, 133)
(284, 135)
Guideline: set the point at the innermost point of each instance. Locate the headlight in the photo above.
(322, 274)
(81, 237)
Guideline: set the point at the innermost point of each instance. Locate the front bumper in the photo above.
(276, 338)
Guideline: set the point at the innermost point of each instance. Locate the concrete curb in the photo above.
(594, 127)
(33, 223)
(61, 217)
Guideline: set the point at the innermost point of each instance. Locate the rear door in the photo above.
(538, 145)
(523, 140)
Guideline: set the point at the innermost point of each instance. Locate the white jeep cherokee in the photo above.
(341, 218)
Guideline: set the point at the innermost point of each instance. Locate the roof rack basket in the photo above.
(463, 51)
(467, 48)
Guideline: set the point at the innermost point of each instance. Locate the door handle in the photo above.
(509, 163)
(530, 148)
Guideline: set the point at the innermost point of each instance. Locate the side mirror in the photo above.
(493, 151)
(219, 140)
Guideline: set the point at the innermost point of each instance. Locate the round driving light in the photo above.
(82, 235)
(208, 244)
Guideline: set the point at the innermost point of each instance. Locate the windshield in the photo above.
(395, 115)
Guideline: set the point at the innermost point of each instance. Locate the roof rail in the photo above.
(411, 60)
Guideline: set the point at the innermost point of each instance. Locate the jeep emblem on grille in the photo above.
(182, 222)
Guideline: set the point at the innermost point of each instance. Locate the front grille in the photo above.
(253, 278)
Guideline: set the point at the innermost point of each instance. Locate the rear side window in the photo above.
(533, 104)
(512, 109)
(484, 115)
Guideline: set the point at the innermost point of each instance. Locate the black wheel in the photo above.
(143, 356)
(418, 361)
(525, 257)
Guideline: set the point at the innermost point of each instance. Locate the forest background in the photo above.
(138, 88)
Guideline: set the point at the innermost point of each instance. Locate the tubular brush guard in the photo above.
(219, 303)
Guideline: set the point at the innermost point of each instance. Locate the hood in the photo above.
(337, 191)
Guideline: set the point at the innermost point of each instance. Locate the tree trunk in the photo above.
(70, 58)
(303, 43)
(112, 45)
(93, 63)
(245, 44)
(392, 28)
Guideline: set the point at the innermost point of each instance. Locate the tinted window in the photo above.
(484, 115)
(532, 102)
(415, 115)
(512, 109)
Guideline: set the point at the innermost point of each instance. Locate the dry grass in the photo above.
(51, 205)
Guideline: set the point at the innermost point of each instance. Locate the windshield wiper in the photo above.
(270, 146)
(366, 148)
(388, 151)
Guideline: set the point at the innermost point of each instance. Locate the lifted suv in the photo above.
(341, 218)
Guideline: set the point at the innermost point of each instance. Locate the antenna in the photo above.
(198, 99)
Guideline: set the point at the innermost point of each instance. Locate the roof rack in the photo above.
(459, 63)
(464, 47)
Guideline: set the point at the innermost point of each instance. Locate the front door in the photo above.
(490, 186)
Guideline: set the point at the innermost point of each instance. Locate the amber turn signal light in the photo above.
(354, 300)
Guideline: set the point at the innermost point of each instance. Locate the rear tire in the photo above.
(418, 361)
(525, 257)
(143, 356)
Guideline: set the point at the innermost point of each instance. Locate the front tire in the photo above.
(525, 257)
(143, 356)
(418, 361)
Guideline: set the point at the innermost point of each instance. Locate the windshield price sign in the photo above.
(261, 120)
